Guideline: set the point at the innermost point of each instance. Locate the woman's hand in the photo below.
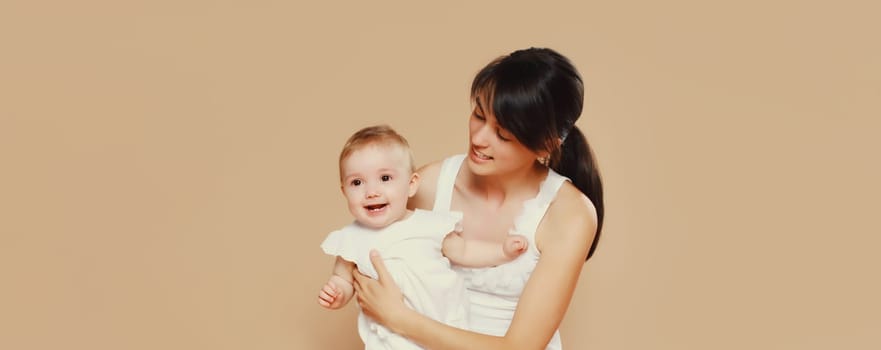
(381, 299)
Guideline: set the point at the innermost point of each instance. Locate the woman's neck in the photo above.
(515, 184)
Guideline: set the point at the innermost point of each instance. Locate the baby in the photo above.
(377, 178)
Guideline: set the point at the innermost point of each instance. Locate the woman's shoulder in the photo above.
(570, 197)
(431, 170)
(571, 217)
(428, 177)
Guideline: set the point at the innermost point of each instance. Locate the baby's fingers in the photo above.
(327, 295)
(323, 302)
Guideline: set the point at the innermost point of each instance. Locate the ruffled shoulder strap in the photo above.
(534, 209)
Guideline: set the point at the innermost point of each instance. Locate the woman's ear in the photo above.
(543, 157)
(414, 184)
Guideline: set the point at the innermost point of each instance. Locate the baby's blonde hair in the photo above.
(375, 135)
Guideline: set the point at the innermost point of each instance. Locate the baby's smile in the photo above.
(375, 207)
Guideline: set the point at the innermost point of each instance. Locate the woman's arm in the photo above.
(424, 197)
(563, 238)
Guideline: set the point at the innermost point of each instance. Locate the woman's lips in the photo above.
(479, 156)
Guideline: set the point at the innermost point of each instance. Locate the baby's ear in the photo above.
(414, 184)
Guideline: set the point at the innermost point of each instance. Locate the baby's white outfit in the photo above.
(494, 292)
(411, 250)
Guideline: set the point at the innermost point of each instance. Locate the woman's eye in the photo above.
(356, 182)
(479, 117)
(386, 178)
(505, 139)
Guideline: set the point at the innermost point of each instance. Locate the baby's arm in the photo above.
(338, 290)
(476, 253)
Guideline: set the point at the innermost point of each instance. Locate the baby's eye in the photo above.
(386, 178)
(356, 182)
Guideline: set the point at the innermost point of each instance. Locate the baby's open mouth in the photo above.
(376, 207)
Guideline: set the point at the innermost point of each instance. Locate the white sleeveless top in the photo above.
(494, 292)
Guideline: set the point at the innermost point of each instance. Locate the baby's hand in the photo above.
(514, 246)
(329, 296)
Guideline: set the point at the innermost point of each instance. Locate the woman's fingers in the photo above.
(377, 297)
(360, 293)
(360, 280)
(379, 265)
(371, 293)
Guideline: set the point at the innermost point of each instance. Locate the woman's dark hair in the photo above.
(537, 95)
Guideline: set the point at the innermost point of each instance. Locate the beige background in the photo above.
(168, 167)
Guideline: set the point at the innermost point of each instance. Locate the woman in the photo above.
(524, 151)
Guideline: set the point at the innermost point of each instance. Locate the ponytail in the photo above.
(577, 163)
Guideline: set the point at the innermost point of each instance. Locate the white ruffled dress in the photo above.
(494, 292)
(411, 250)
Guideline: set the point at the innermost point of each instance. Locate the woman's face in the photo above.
(494, 150)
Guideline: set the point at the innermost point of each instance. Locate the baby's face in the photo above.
(377, 182)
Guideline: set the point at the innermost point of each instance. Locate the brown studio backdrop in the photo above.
(169, 167)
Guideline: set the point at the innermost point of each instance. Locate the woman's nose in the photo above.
(480, 137)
